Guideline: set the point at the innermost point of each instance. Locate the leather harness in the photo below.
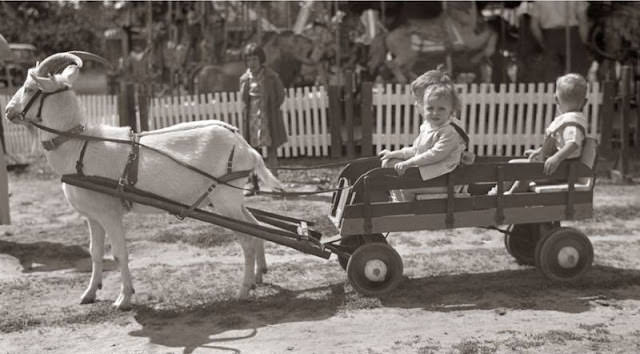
(129, 176)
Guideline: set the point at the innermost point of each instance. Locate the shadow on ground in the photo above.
(193, 328)
(501, 291)
(49, 256)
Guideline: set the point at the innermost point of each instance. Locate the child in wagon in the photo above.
(565, 135)
(439, 147)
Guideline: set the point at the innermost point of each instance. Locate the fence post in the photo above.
(144, 105)
(636, 138)
(348, 112)
(5, 218)
(335, 119)
(623, 156)
(606, 113)
(126, 105)
(366, 113)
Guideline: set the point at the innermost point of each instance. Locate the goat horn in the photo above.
(53, 63)
(91, 56)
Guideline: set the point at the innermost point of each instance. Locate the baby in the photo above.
(438, 148)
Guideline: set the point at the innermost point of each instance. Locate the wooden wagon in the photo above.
(363, 212)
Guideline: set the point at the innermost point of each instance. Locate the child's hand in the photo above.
(384, 154)
(401, 168)
(551, 165)
(533, 154)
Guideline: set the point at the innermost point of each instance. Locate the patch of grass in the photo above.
(204, 236)
(440, 242)
(559, 336)
(616, 212)
(14, 324)
(474, 346)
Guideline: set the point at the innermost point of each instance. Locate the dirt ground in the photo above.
(463, 293)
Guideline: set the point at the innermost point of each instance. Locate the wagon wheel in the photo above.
(521, 240)
(353, 242)
(375, 269)
(564, 255)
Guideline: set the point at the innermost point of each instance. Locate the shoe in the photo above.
(494, 191)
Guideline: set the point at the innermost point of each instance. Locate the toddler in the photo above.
(438, 148)
(565, 135)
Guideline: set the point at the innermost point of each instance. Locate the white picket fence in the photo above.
(503, 122)
(304, 110)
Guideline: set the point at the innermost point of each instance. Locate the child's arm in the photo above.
(552, 163)
(401, 154)
(443, 147)
(572, 142)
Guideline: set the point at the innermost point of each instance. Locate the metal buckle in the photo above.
(48, 145)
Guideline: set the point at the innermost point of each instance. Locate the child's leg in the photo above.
(517, 186)
(396, 195)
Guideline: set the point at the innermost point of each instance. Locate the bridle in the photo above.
(53, 143)
(32, 100)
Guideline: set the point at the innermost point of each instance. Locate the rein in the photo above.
(77, 133)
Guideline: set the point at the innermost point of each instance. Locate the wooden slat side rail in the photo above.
(474, 202)
(472, 218)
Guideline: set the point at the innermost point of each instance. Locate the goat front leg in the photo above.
(115, 231)
(261, 261)
(96, 247)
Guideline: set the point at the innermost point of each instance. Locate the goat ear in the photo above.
(46, 83)
(68, 75)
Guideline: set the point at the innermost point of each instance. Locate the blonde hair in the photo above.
(571, 89)
(430, 78)
(441, 91)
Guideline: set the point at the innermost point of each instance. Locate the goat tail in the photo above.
(265, 175)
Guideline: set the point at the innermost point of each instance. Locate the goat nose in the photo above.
(10, 113)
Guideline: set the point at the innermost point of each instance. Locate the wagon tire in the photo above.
(375, 269)
(521, 240)
(352, 243)
(564, 255)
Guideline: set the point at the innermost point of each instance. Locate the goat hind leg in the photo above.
(248, 249)
(261, 262)
(96, 247)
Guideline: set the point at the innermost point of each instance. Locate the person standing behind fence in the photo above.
(262, 92)
(549, 20)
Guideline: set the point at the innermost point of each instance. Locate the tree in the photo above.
(56, 26)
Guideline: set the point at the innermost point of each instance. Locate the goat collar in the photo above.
(53, 143)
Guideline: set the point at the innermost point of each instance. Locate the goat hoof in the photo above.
(122, 305)
(87, 300)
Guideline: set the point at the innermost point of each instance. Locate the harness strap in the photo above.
(130, 172)
(188, 211)
(461, 132)
(53, 143)
(79, 163)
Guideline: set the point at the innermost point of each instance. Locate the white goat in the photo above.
(205, 145)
